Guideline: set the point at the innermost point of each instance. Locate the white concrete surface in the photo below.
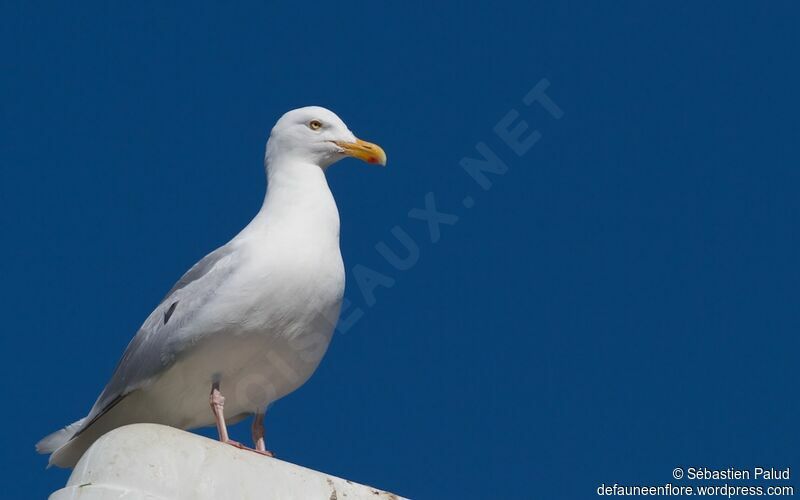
(155, 462)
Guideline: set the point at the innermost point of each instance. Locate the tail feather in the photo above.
(56, 440)
(67, 446)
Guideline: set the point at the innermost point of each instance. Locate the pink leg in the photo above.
(258, 434)
(217, 402)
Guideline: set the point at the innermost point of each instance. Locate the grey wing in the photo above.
(151, 351)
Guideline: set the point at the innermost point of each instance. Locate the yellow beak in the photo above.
(363, 150)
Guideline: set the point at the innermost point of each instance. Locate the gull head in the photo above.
(316, 135)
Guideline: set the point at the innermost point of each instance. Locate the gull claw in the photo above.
(239, 445)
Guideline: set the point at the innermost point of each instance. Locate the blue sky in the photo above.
(620, 301)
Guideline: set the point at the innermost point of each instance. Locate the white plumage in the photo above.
(255, 316)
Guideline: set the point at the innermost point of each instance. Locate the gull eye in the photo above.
(315, 124)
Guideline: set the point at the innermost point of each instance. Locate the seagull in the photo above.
(251, 321)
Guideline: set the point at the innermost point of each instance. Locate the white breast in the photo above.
(269, 325)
